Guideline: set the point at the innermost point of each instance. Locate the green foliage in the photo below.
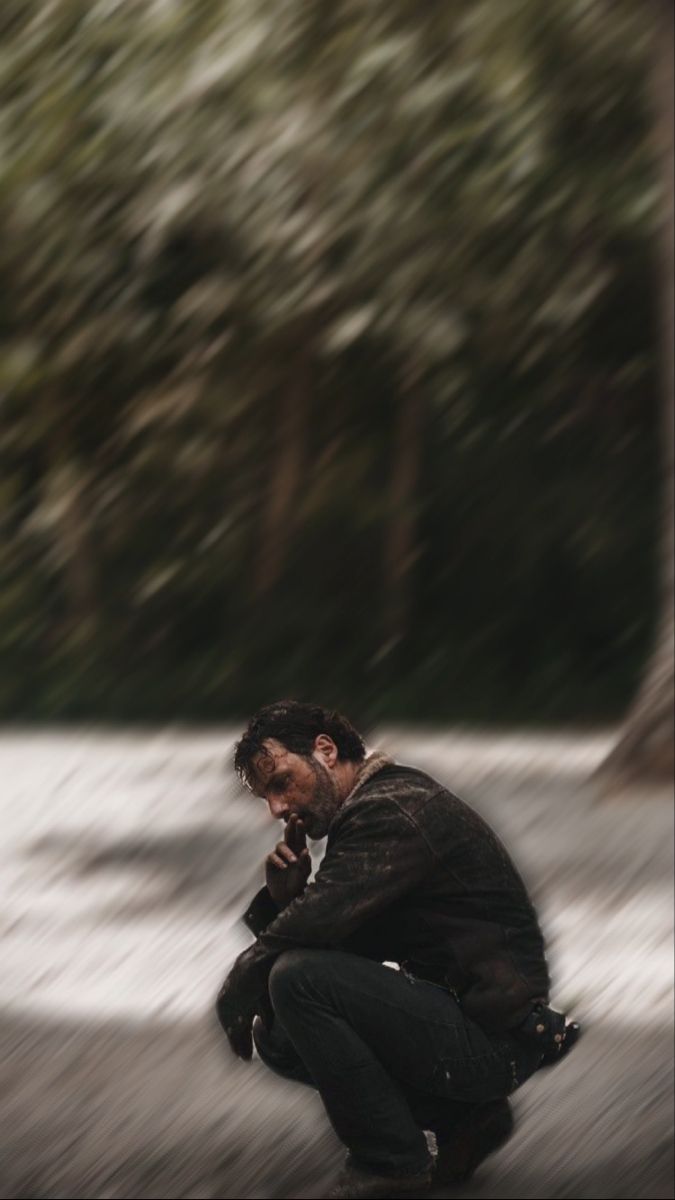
(209, 208)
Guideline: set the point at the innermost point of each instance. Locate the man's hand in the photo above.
(236, 1019)
(289, 866)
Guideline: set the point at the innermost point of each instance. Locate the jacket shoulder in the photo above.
(397, 787)
(396, 780)
(432, 807)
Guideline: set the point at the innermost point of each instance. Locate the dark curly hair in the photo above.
(297, 727)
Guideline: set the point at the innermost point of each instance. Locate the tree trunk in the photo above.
(65, 496)
(289, 450)
(401, 550)
(644, 751)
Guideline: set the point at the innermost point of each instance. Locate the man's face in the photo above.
(293, 784)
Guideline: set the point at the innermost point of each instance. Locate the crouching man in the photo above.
(410, 875)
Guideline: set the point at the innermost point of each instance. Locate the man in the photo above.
(413, 876)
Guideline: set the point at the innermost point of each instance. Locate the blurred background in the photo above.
(329, 357)
(336, 361)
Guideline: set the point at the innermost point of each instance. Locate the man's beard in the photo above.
(325, 802)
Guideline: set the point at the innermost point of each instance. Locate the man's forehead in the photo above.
(269, 759)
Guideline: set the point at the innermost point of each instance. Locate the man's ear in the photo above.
(325, 748)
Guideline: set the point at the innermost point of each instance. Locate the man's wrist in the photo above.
(260, 913)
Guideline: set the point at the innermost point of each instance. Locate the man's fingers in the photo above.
(273, 860)
(290, 832)
(294, 834)
(282, 857)
(240, 1038)
(237, 1025)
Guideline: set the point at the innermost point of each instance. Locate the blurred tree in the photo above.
(645, 749)
(287, 466)
(402, 543)
(313, 306)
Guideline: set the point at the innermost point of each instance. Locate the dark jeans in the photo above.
(390, 1055)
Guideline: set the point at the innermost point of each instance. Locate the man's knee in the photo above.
(296, 973)
(289, 970)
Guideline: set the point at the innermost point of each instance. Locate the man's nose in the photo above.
(278, 807)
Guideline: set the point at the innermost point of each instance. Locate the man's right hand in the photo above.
(289, 866)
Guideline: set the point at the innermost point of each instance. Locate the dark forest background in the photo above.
(329, 358)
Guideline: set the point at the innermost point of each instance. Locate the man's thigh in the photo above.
(417, 1029)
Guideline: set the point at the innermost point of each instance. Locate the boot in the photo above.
(471, 1140)
(356, 1183)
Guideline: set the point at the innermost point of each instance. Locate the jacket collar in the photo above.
(370, 766)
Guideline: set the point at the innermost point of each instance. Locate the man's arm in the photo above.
(287, 870)
(376, 855)
(261, 912)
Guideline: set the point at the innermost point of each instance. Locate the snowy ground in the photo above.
(127, 859)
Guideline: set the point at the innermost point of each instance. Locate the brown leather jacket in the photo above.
(412, 875)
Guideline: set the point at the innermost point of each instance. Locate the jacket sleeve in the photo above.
(375, 855)
(260, 913)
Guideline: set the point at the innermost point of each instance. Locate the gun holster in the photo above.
(550, 1030)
